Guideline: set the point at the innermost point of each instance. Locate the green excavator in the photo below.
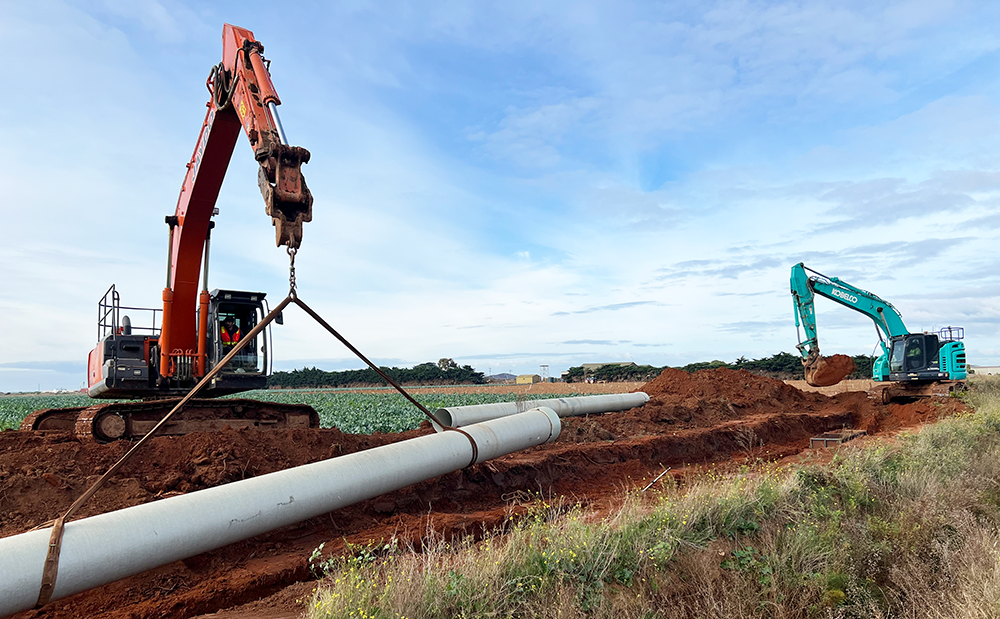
(911, 365)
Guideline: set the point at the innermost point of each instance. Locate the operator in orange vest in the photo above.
(229, 333)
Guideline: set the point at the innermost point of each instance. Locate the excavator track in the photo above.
(52, 419)
(132, 420)
(902, 392)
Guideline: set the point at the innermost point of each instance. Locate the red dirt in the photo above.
(711, 416)
(830, 370)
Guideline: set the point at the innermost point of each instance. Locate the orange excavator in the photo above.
(159, 364)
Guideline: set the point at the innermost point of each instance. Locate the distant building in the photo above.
(528, 379)
(986, 370)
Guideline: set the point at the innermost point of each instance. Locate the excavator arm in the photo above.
(241, 96)
(242, 83)
(805, 285)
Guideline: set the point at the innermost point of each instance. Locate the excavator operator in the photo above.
(229, 333)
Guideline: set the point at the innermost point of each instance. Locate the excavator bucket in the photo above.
(826, 371)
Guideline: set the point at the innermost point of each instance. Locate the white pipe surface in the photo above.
(105, 548)
(460, 416)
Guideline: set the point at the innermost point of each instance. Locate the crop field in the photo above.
(352, 411)
(14, 408)
(381, 411)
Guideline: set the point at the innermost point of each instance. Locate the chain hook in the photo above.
(291, 271)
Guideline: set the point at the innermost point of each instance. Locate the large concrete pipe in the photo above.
(459, 416)
(105, 548)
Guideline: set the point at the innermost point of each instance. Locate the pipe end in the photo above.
(444, 416)
(554, 421)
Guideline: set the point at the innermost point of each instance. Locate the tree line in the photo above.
(444, 372)
(782, 366)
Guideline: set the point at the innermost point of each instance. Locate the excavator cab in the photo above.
(233, 315)
(909, 353)
(927, 356)
(125, 362)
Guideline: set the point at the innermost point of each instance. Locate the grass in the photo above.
(907, 528)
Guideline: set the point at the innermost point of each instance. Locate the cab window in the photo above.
(914, 353)
(234, 323)
(896, 359)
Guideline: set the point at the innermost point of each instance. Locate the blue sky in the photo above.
(516, 184)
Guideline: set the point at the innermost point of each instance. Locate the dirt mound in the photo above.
(710, 397)
(830, 370)
(711, 416)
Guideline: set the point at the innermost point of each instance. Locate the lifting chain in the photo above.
(291, 271)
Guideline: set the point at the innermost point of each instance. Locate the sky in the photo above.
(515, 184)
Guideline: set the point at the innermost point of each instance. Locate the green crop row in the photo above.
(353, 412)
(384, 411)
(14, 408)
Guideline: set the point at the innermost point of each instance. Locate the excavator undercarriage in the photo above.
(902, 392)
(132, 420)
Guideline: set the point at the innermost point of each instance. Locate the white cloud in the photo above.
(152, 16)
(531, 137)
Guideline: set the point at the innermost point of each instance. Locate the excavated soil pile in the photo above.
(711, 416)
(830, 370)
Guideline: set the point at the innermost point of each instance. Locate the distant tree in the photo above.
(704, 365)
(615, 373)
(421, 374)
(783, 366)
(447, 364)
(863, 366)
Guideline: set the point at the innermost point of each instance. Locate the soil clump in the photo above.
(830, 370)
